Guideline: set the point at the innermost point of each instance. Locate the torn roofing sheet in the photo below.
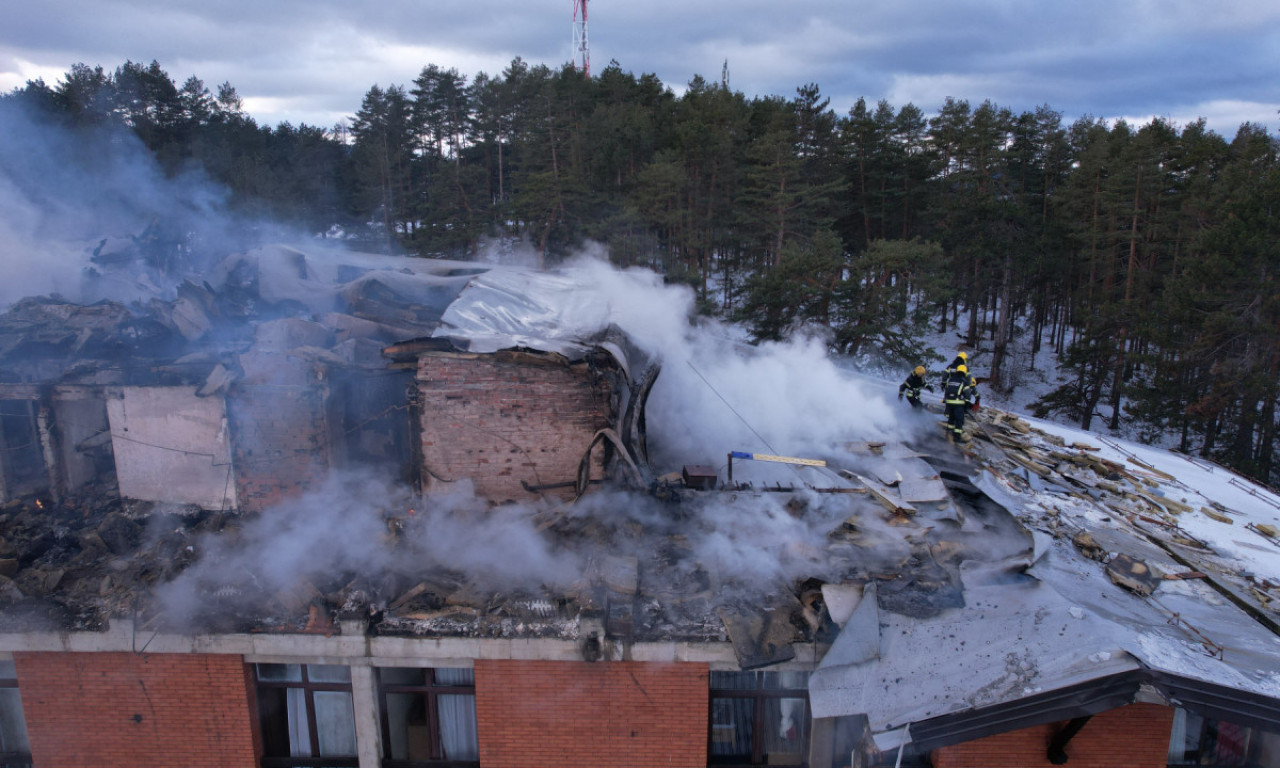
(480, 308)
(1049, 644)
(552, 312)
(318, 277)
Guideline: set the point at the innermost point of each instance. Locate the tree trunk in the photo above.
(1003, 322)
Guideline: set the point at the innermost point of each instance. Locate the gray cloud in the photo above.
(312, 62)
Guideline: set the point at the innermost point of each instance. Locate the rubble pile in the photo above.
(77, 566)
(73, 565)
(1106, 507)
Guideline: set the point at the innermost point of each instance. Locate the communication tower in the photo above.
(581, 54)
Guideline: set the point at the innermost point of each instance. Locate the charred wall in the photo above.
(54, 440)
(280, 431)
(509, 418)
(24, 468)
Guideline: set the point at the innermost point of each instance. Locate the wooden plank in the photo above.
(413, 592)
(1147, 467)
(887, 497)
(1185, 575)
(1029, 464)
(1214, 515)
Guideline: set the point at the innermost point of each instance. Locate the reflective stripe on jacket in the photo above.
(912, 386)
(959, 389)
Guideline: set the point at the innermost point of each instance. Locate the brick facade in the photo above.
(499, 421)
(280, 434)
(124, 710)
(1136, 736)
(536, 714)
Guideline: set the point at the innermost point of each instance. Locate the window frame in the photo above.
(1206, 741)
(15, 759)
(310, 688)
(430, 691)
(759, 695)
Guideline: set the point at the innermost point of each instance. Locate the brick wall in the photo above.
(279, 430)
(1136, 736)
(532, 714)
(109, 710)
(499, 421)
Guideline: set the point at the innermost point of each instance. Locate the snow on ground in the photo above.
(1199, 483)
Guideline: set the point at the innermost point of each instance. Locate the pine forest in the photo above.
(1143, 258)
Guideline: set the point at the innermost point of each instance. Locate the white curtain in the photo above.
(335, 723)
(457, 714)
(458, 726)
(1178, 738)
(299, 732)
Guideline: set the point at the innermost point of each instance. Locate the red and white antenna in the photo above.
(581, 54)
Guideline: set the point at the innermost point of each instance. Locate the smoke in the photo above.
(63, 193)
(66, 193)
(363, 525)
(716, 393)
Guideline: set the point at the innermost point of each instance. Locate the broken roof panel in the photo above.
(1061, 638)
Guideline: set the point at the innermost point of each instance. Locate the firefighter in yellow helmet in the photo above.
(913, 385)
(962, 358)
(957, 399)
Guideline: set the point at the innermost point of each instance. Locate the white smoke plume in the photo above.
(716, 394)
(59, 198)
(64, 192)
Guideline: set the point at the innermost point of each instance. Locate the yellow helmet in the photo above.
(962, 355)
(919, 371)
(962, 368)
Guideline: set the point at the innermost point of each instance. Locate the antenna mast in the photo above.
(581, 54)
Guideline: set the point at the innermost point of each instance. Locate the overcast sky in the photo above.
(313, 61)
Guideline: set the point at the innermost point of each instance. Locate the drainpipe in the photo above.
(1057, 747)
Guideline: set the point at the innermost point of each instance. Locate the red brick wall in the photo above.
(1136, 736)
(499, 422)
(535, 714)
(82, 708)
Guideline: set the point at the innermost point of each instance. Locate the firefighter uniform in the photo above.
(957, 398)
(962, 358)
(912, 387)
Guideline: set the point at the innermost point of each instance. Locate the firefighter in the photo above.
(957, 398)
(913, 385)
(962, 358)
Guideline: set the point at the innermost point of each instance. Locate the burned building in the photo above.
(363, 511)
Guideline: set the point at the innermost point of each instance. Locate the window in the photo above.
(306, 715)
(1197, 740)
(23, 467)
(759, 718)
(15, 751)
(428, 716)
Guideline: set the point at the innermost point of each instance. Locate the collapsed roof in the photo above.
(1060, 578)
(1117, 601)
